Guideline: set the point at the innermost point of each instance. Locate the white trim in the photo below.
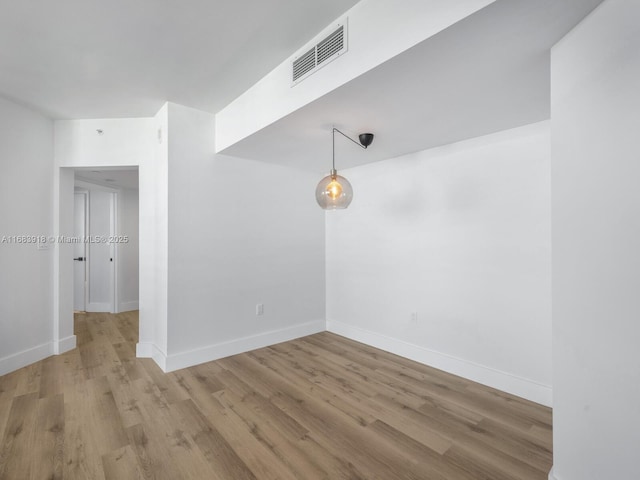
(150, 350)
(160, 358)
(552, 475)
(114, 231)
(26, 357)
(64, 345)
(513, 384)
(88, 184)
(85, 288)
(16, 361)
(129, 306)
(101, 307)
(144, 350)
(241, 345)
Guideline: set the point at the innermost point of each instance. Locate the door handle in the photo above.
(79, 259)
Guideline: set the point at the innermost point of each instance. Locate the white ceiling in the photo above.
(123, 58)
(125, 177)
(489, 72)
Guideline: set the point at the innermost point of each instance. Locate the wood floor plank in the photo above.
(369, 454)
(166, 448)
(166, 384)
(485, 462)
(47, 446)
(223, 459)
(8, 385)
(29, 379)
(544, 435)
(296, 385)
(522, 447)
(139, 443)
(15, 460)
(122, 464)
(319, 407)
(127, 324)
(378, 410)
(93, 428)
(127, 356)
(127, 397)
(50, 383)
(429, 461)
(301, 454)
(256, 455)
(244, 367)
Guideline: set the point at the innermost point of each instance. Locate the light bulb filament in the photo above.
(334, 189)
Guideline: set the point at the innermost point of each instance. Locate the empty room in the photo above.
(339, 239)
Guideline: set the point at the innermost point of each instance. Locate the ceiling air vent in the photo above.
(322, 53)
(304, 64)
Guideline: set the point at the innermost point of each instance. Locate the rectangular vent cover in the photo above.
(322, 53)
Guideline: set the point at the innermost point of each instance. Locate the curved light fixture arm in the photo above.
(364, 143)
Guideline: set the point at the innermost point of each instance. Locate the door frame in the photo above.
(85, 193)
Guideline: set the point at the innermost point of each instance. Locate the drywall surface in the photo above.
(460, 236)
(377, 31)
(26, 273)
(153, 237)
(123, 142)
(595, 115)
(128, 256)
(241, 233)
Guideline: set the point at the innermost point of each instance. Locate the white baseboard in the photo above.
(160, 358)
(144, 350)
(129, 306)
(552, 476)
(491, 377)
(150, 350)
(26, 357)
(241, 345)
(99, 307)
(64, 345)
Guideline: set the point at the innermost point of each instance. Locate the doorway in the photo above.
(131, 265)
(105, 256)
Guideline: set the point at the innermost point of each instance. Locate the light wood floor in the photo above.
(321, 407)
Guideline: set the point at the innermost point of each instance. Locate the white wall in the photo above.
(128, 258)
(124, 142)
(154, 233)
(26, 273)
(461, 235)
(596, 238)
(240, 233)
(378, 31)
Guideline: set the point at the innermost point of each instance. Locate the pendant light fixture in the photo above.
(334, 191)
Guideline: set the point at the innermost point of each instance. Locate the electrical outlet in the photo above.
(259, 309)
(414, 317)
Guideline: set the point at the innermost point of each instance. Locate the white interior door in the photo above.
(79, 253)
(101, 252)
